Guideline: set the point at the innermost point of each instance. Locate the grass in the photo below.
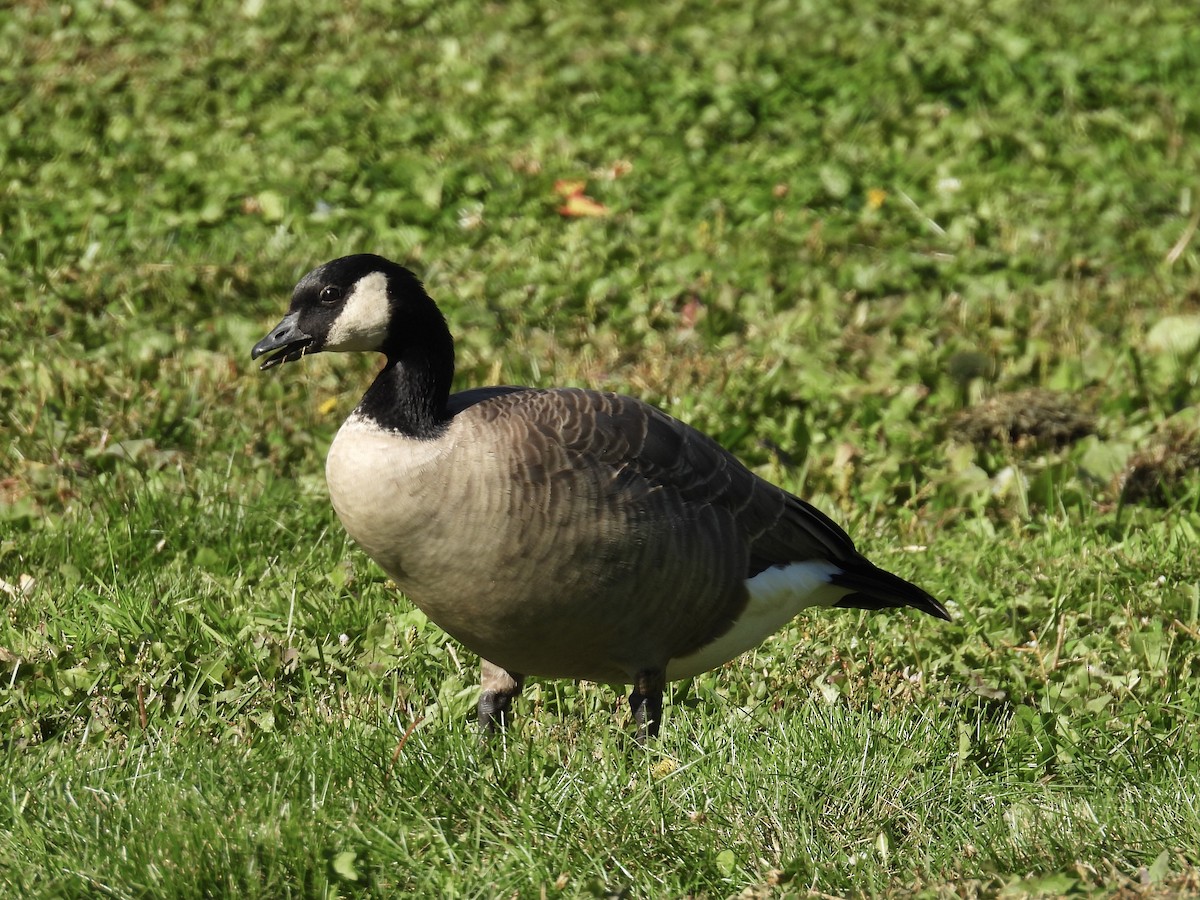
(838, 238)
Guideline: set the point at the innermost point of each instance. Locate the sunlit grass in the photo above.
(831, 235)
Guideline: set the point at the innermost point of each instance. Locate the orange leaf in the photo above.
(578, 205)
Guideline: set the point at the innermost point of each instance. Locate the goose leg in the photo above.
(497, 688)
(646, 702)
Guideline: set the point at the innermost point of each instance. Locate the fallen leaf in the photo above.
(578, 206)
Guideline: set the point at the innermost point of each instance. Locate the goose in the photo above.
(561, 532)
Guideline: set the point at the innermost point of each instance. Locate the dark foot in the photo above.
(646, 703)
(495, 710)
(498, 688)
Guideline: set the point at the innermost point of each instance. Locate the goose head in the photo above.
(362, 302)
(368, 303)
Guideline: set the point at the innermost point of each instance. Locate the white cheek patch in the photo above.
(362, 323)
(777, 594)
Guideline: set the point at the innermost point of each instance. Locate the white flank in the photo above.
(362, 323)
(776, 596)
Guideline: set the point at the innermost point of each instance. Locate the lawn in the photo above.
(932, 266)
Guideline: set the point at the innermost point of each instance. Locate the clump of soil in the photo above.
(1034, 417)
(1154, 474)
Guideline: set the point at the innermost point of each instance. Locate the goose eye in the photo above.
(331, 294)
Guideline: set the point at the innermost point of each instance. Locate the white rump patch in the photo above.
(777, 594)
(363, 322)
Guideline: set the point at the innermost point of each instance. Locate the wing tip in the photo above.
(876, 588)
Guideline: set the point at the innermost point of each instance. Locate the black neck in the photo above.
(410, 394)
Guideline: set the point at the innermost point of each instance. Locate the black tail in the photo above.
(873, 588)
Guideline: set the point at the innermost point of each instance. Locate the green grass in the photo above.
(833, 229)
